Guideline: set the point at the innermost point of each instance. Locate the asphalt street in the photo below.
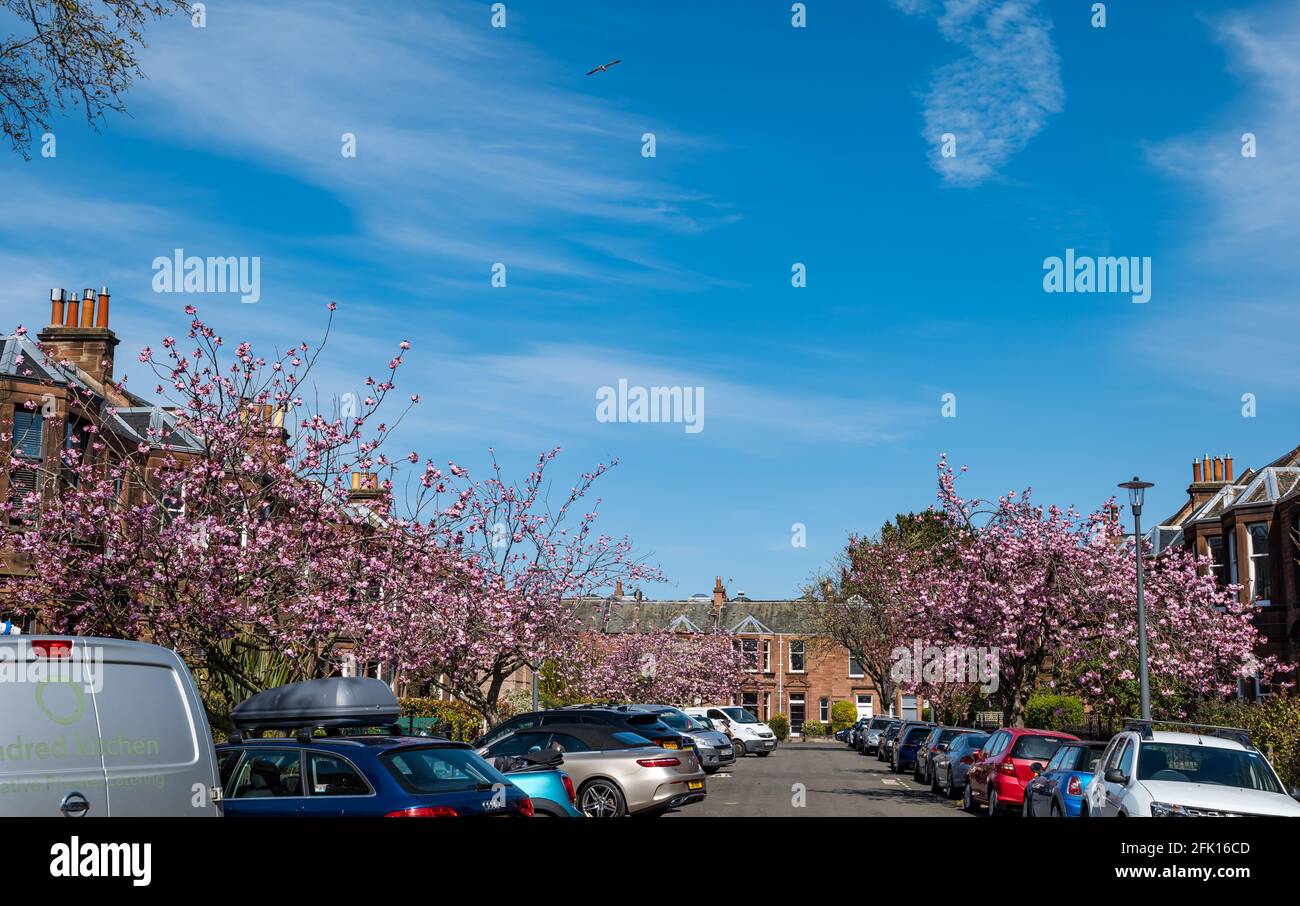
(816, 780)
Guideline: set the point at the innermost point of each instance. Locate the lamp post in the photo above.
(1136, 492)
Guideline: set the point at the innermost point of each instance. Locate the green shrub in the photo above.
(454, 719)
(844, 714)
(1053, 712)
(1273, 724)
(780, 725)
(812, 729)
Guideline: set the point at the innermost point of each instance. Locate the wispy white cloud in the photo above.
(471, 146)
(999, 95)
(1255, 201)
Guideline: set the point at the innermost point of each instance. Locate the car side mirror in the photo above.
(1036, 767)
(1115, 775)
(1295, 793)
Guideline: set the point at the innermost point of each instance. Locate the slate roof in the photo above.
(141, 422)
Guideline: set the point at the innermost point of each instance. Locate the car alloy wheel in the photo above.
(993, 803)
(968, 800)
(948, 789)
(601, 799)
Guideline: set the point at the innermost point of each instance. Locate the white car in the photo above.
(748, 733)
(1200, 772)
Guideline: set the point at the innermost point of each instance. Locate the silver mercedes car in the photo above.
(614, 771)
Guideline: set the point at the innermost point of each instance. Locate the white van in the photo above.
(102, 727)
(748, 733)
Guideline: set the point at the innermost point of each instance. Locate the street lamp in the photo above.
(1136, 492)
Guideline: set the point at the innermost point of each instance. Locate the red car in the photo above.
(1005, 766)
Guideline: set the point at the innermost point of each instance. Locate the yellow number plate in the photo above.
(695, 784)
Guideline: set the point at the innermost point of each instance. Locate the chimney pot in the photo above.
(72, 314)
(101, 317)
(1218, 469)
(1196, 471)
(56, 307)
(1205, 466)
(88, 308)
(356, 481)
(1227, 467)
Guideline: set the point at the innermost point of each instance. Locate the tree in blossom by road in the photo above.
(650, 667)
(1054, 592)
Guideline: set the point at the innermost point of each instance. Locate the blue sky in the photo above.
(775, 145)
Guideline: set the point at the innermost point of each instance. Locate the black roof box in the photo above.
(337, 701)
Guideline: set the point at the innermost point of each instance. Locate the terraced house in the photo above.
(791, 670)
(1249, 524)
(48, 398)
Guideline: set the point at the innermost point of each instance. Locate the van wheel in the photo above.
(601, 799)
(739, 746)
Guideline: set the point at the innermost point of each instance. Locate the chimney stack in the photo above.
(1196, 471)
(56, 306)
(719, 593)
(1227, 467)
(78, 334)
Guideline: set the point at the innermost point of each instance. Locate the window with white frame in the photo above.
(1219, 565)
(1260, 584)
(767, 655)
(1232, 556)
(856, 670)
(824, 710)
(798, 660)
(28, 448)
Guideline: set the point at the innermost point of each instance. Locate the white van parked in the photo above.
(102, 727)
(747, 732)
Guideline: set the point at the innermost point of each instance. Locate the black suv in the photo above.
(639, 722)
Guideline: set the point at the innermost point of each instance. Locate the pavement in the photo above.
(803, 780)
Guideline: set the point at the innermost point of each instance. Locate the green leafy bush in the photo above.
(455, 719)
(812, 729)
(1053, 712)
(844, 714)
(1273, 724)
(780, 725)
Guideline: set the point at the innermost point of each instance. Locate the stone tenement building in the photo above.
(1249, 524)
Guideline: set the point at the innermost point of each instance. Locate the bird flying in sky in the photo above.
(605, 68)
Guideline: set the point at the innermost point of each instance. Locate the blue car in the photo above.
(538, 774)
(344, 755)
(907, 745)
(1057, 790)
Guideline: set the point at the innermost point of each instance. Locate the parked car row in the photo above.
(1142, 771)
(113, 727)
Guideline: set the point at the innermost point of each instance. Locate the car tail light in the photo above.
(1007, 767)
(526, 807)
(658, 762)
(429, 811)
(52, 648)
(568, 788)
(1074, 787)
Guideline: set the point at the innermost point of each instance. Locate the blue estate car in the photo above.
(363, 776)
(906, 746)
(344, 755)
(1057, 790)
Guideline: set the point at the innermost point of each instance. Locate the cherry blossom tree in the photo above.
(650, 667)
(1053, 592)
